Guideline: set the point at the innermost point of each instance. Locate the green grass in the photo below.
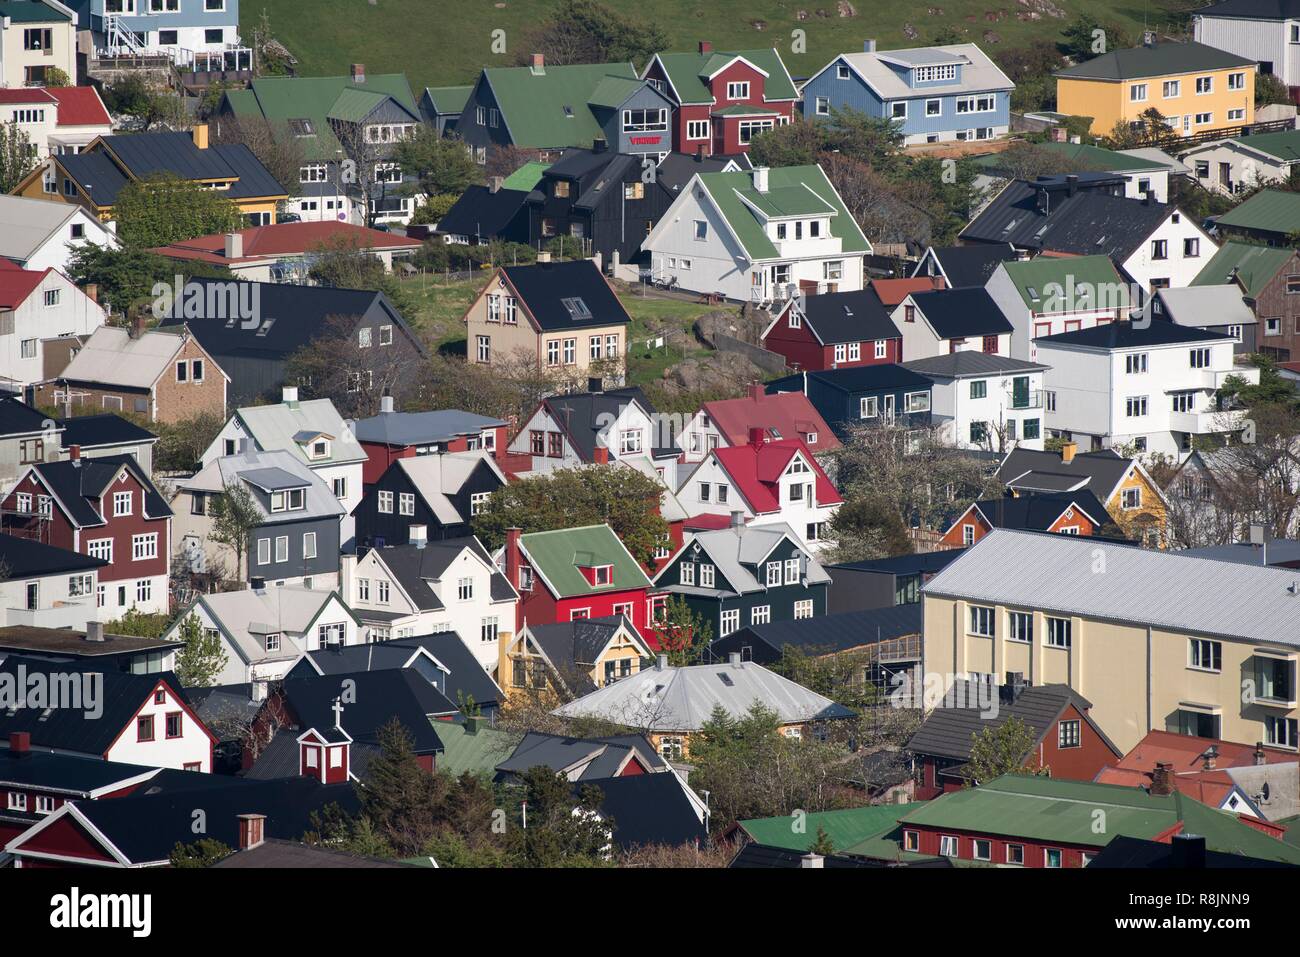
(439, 42)
(439, 306)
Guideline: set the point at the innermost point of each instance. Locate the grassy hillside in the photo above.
(443, 42)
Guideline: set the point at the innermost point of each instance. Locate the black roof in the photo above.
(89, 431)
(1036, 513)
(291, 317)
(26, 558)
(969, 363)
(962, 313)
(914, 564)
(825, 634)
(482, 213)
(1253, 9)
(1043, 214)
(77, 774)
(558, 752)
(583, 415)
(1129, 335)
(649, 809)
(97, 174)
(281, 757)
(970, 265)
(414, 566)
(950, 729)
(376, 698)
(545, 288)
(594, 173)
(874, 378)
(1133, 852)
(573, 646)
(848, 317)
(766, 856)
(77, 483)
(676, 169)
(1031, 470)
(19, 418)
(295, 855)
(91, 729)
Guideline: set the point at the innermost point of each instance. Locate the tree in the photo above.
(131, 98)
(586, 31)
(1000, 750)
(335, 365)
(56, 77)
(683, 634)
(823, 845)
(273, 143)
(868, 527)
(202, 659)
(621, 497)
(235, 513)
(441, 165)
(400, 798)
(1086, 37)
(139, 624)
(165, 209)
(125, 276)
(181, 444)
(1270, 89)
(563, 829)
(17, 157)
(1149, 129)
(202, 853)
(793, 144)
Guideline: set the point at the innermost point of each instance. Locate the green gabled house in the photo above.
(442, 106)
(357, 118)
(1269, 279)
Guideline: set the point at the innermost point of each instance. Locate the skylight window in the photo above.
(577, 307)
(302, 127)
(568, 111)
(726, 680)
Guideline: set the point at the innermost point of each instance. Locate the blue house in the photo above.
(864, 396)
(935, 94)
(199, 35)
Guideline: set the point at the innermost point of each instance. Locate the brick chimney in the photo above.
(136, 329)
(706, 46)
(20, 742)
(600, 455)
(1162, 779)
(91, 289)
(1068, 451)
(252, 830)
(539, 63)
(200, 134)
(358, 73)
(756, 438)
(756, 391)
(74, 452)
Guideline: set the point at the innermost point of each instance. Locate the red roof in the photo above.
(894, 291)
(80, 106)
(25, 94)
(756, 472)
(17, 284)
(706, 523)
(286, 239)
(1187, 757)
(783, 416)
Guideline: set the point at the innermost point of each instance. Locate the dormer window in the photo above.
(289, 500)
(320, 449)
(599, 575)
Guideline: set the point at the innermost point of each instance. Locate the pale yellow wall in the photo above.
(1109, 101)
(1107, 664)
(14, 60)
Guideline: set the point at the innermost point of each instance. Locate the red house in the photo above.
(391, 435)
(106, 508)
(573, 573)
(723, 100)
(729, 423)
(834, 331)
(1072, 513)
(1066, 740)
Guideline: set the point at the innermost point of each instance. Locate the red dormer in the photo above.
(598, 576)
(325, 755)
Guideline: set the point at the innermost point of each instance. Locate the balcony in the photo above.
(1274, 679)
(65, 614)
(1209, 422)
(1033, 399)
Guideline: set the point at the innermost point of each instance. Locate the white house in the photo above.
(56, 119)
(1268, 33)
(37, 234)
(264, 631)
(45, 586)
(1171, 255)
(952, 320)
(758, 235)
(36, 305)
(765, 482)
(36, 37)
(1149, 387)
(1244, 162)
(985, 401)
(402, 591)
(313, 432)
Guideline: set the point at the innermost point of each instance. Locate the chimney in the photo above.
(1059, 134)
(74, 452)
(473, 723)
(418, 535)
(595, 384)
(136, 329)
(91, 289)
(385, 404)
(539, 63)
(733, 659)
(699, 153)
(812, 860)
(756, 391)
(737, 518)
(756, 436)
(1210, 757)
(543, 256)
(257, 690)
(1068, 451)
(1162, 779)
(760, 178)
(1148, 38)
(94, 631)
(257, 583)
(600, 455)
(358, 73)
(598, 145)
(868, 46)
(1071, 183)
(20, 742)
(495, 183)
(706, 46)
(513, 557)
(252, 830)
(289, 395)
(234, 245)
(1260, 756)
(200, 134)
(1188, 851)
(661, 662)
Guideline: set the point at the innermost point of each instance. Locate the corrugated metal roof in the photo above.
(1084, 577)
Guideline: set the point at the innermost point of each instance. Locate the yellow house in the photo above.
(1196, 88)
(571, 657)
(1156, 641)
(94, 177)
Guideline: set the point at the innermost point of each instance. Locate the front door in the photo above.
(889, 408)
(1020, 392)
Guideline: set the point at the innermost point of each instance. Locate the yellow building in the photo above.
(94, 177)
(571, 657)
(1196, 88)
(1156, 641)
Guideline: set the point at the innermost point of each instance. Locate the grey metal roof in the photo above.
(601, 757)
(737, 552)
(964, 365)
(1279, 551)
(25, 224)
(1202, 306)
(255, 466)
(286, 426)
(1169, 591)
(439, 477)
(421, 428)
(681, 699)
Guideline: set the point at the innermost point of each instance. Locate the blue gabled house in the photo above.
(199, 35)
(864, 396)
(935, 94)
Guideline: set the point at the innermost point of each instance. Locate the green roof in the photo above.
(526, 177)
(26, 11)
(845, 828)
(557, 556)
(613, 91)
(792, 191)
(1094, 157)
(477, 753)
(1162, 59)
(280, 99)
(687, 70)
(551, 109)
(449, 99)
(1270, 211)
(1284, 144)
(1034, 277)
(743, 111)
(1255, 266)
(1056, 810)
